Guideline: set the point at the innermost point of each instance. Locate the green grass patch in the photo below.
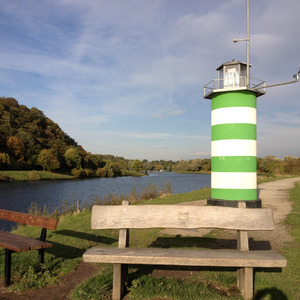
(26, 175)
(96, 287)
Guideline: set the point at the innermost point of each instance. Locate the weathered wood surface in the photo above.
(185, 257)
(180, 216)
(120, 270)
(20, 243)
(28, 219)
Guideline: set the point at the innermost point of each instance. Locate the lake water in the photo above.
(18, 196)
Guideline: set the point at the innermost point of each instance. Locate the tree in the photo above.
(182, 166)
(16, 146)
(136, 165)
(48, 160)
(73, 158)
(291, 165)
(196, 165)
(270, 165)
(4, 159)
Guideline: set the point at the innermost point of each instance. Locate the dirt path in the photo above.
(273, 194)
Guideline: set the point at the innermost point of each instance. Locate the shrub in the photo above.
(89, 173)
(101, 172)
(78, 173)
(34, 175)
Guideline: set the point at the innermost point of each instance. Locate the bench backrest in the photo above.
(26, 219)
(181, 216)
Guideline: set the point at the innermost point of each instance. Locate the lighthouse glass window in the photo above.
(232, 76)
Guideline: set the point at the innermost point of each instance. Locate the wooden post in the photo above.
(244, 275)
(121, 270)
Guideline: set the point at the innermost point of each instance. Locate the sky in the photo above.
(126, 77)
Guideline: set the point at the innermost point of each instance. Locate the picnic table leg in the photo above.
(7, 270)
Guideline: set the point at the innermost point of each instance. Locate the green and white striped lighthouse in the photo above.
(233, 136)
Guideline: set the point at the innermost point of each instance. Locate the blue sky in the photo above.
(126, 77)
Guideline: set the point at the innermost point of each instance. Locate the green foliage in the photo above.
(25, 132)
(82, 173)
(48, 160)
(270, 165)
(101, 172)
(73, 158)
(136, 165)
(291, 165)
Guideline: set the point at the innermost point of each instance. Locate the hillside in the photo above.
(31, 141)
(25, 133)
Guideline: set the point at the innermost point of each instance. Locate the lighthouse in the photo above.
(233, 135)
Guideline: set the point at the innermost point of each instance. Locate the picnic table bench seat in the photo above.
(125, 217)
(17, 243)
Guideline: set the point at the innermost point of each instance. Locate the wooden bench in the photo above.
(16, 243)
(125, 217)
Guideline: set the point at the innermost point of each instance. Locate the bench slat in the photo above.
(27, 219)
(21, 243)
(180, 216)
(185, 257)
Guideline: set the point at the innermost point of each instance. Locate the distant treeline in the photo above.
(31, 141)
(269, 165)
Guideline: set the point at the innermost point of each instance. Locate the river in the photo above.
(18, 196)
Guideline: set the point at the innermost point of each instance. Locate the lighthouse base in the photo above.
(234, 203)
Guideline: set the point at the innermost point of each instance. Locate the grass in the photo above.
(25, 175)
(74, 236)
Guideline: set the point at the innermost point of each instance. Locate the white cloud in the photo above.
(92, 66)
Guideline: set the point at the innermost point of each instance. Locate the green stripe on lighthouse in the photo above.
(234, 194)
(233, 99)
(234, 163)
(233, 131)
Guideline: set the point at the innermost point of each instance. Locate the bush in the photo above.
(78, 173)
(89, 173)
(34, 175)
(101, 172)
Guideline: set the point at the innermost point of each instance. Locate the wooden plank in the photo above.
(20, 243)
(180, 216)
(186, 257)
(27, 219)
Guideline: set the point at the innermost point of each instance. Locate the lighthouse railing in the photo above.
(216, 85)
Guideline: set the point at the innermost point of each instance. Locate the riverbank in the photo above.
(74, 236)
(12, 176)
(7, 176)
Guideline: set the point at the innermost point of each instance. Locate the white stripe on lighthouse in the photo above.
(230, 115)
(233, 180)
(233, 148)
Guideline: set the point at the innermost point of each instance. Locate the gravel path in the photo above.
(275, 195)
